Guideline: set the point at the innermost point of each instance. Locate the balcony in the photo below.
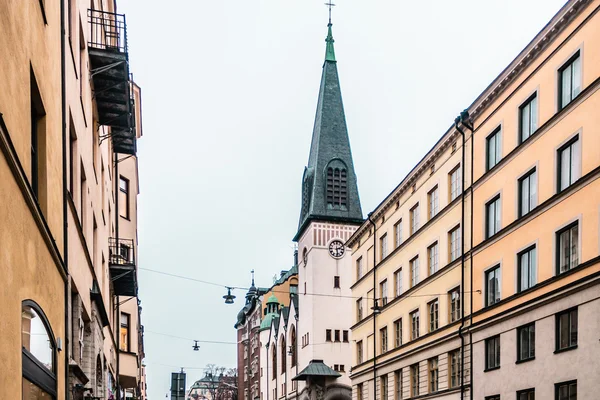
(122, 266)
(128, 370)
(112, 87)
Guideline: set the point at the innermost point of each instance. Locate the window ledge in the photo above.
(491, 369)
(565, 349)
(524, 360)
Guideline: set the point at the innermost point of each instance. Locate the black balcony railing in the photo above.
(113, 95)
(108, 31)
(122, 266)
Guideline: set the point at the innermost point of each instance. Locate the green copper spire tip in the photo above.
(330, 52)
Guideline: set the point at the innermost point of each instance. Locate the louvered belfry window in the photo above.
(337, 187)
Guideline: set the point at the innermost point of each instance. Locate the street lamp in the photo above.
(229, 297)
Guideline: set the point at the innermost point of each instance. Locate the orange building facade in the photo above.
(478, 276)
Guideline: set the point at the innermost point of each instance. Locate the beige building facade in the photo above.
(486, 280)
(70, 116)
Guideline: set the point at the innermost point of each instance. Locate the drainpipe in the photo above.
(464, 119)
(375, 307)
(118, 319)
(64, 183)
(267, 346)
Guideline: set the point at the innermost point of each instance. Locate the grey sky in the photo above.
(229, 96)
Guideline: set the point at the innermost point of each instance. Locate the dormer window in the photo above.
(337, 187)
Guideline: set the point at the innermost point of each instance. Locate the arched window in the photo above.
(99, 374)
(39, 353)
(274, 352)
(293, 345)
(283, 354)
(337, 187)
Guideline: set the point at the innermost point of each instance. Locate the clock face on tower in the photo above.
(336, 249)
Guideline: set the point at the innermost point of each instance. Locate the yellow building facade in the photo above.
(69, 118)
(484, 261)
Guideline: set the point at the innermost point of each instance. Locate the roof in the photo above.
(316, 368)
(330, 147)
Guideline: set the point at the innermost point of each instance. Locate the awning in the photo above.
(316, 369)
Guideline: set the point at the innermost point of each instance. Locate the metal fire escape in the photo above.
(112, 91)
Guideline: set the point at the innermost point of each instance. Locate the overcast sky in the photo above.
(229, 97)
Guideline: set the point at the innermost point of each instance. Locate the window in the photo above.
(383, 246)
(359, 309)
(528, 118)
(567, 252)
(384, 387)
(454, 241)
(398, 333)
(433, 315)
(124, 197)
(526, 265)
(526, 342)
(345, 336)
(414, 325)
(337, 335)
(492, 286)
(434, 205)
(359, 268)
(38, 138)
(398, 232)
(414, 271)
(454, 305)
(432, 253)
(292, 348)
(383, 292)
(414, 219)
(569, 81)
(492, 217)
(359, 352)
(328, 335)
(455, 183)
(383, 338)
(398, 385)
(492, 353)
(38, 353)
(398, 282)
(494, 397)
(359, 391)
(433, 375)
(493, 148)
(566, 390)
(336, 282)
(125, 324)
(337, 188)
(569, 163)
(527, 192)
(528, 394)
(566, 330)
(274, 358)
(414, 380)
(454, 361)
(342, 369)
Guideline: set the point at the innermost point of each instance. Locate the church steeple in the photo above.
(329, 189)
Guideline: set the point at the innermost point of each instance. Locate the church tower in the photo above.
(330, 213)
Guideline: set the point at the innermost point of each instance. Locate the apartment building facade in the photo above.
(69, 129)
(523, 323)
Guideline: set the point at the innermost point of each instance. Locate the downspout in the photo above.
(465, 120)
(118, 318)
(296, 343)
(462, 261)
(64, 183)
(374, 307)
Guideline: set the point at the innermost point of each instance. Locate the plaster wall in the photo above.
(30, 266)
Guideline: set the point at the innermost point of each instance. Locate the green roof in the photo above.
(316, 368)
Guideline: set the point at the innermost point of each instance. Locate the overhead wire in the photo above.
(287, 292)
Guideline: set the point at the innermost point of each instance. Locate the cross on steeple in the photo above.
(329, 4)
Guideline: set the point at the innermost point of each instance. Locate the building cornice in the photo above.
(530, 53)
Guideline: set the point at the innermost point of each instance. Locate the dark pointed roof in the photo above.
(330, 147)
